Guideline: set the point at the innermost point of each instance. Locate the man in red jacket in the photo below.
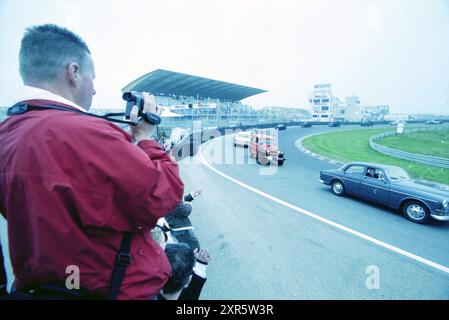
(71, 185)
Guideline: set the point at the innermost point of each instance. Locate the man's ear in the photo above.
(73, 71)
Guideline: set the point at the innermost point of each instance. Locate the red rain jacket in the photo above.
(70, 186)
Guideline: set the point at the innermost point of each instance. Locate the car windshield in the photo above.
(397, 174)
(243, 134)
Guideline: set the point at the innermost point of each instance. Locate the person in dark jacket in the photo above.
(193, 290)
(188, 272)
(180, 224)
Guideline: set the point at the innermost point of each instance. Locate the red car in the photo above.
(265, 149)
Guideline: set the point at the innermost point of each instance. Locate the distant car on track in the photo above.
(432, 122)
(390, 186)
(281, 126)
(367, 123)
(334, 124)
(395, 123)
(305, 124)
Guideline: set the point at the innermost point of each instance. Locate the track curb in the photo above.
(300, 147)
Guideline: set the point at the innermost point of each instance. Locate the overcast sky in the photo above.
(393, 52)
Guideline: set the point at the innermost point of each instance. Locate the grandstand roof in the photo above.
(168, 83)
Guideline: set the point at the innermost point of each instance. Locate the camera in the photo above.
(133, 98)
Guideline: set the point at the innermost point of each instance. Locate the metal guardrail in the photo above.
(414, 157)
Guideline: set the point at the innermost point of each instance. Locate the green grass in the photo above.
(353, 145)
(435, 143)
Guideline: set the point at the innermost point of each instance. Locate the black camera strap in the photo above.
(23, 107)
(122, 261)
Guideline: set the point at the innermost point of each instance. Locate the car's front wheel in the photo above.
(415, 211)
(262, 160)
(338, 188)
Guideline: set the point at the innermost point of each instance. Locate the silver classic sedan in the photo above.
(390, 186)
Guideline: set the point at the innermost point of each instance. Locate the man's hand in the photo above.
(195, 193)
(202, 255)
(143, 130)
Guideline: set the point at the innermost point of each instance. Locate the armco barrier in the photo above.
(418, 158)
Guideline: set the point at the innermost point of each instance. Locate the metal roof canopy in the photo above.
(167, 83)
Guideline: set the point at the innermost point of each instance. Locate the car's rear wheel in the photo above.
(416, 212)
(338, 188)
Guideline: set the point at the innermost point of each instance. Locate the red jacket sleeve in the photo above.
(117, 184)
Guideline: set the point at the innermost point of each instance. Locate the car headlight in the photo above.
(445, 204)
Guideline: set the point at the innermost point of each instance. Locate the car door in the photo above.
(253, 145)
(375, 187)
(352, 178)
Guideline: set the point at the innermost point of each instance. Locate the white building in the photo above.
(351, 110)
(327, 107)
(324, 103)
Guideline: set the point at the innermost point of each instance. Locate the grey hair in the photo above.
(45, 51)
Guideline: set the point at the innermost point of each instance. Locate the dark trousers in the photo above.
(188, 237)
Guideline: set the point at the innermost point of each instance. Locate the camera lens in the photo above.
(128, 96)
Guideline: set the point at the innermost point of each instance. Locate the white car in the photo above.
(397, 122)
(177, 134)
(242, 139)
(430, 122)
